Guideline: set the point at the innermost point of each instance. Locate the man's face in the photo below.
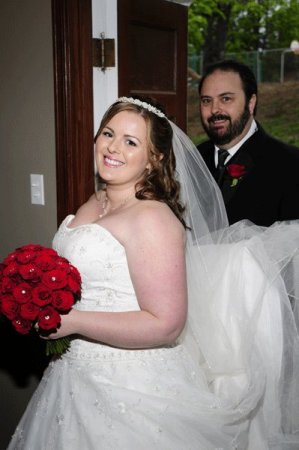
(226, 116)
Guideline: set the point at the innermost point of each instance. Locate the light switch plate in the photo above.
(37, 189)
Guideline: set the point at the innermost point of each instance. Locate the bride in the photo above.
(185, 336)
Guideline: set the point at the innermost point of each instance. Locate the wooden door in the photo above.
(72, 45)
(152, 60)
(152, 53)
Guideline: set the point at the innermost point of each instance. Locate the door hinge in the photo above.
(103, 52)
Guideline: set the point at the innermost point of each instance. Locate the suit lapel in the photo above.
(209, 159)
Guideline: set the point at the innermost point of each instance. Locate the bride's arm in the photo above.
(155, 249)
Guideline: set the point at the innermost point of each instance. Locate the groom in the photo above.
(257, 174)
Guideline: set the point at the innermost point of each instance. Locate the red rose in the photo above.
(22, 326)
(236, 170)
(30, 247)
(7, 285)
(55, 279)
(63, 300)
(9, 258)
(50, 252)
(29, 311)
(22, 292)
(75, 273)
(9, 307)
(11, 269)
(73, 284)
(41, 295)
(46, 262)
(63, 264)
(30, 272)
(48, 318)
(25, 257)
(2, 267)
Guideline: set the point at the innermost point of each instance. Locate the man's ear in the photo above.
(252, 103)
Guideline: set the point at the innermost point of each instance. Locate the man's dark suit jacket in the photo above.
(269, 190)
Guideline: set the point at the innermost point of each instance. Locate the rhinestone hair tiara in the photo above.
(144, 105)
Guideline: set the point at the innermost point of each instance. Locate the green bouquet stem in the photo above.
(57, 346)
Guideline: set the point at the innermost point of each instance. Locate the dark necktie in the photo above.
(222, 155)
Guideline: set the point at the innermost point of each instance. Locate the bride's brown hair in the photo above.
(159, 182)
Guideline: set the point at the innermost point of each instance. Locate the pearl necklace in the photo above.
(106, 202)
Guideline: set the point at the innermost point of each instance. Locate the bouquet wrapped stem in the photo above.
(57, 346)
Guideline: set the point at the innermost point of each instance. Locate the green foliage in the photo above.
(252, 24)
(197, 23)
(284, 25)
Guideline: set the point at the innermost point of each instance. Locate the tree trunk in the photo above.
(215, 41)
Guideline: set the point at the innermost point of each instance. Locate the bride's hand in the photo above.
(66, 327)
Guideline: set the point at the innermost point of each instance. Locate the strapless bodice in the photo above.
(102, 263)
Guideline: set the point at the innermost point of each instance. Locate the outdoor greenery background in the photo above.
(222, 26)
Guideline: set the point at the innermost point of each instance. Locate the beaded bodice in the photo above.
(102, 263)
(106, 282)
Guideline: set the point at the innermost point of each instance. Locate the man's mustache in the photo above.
(216, 117)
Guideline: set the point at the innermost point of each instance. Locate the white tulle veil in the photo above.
(242, 325)
(243, 308)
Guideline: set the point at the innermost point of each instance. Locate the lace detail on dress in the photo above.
(102, 262)
(89, 351)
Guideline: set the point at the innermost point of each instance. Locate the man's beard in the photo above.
(234, 129)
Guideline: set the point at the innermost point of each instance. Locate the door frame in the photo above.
(73, 88)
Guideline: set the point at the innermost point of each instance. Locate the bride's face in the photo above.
(122, 149)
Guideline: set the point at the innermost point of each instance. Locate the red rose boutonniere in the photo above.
(236, 172)
(36, 287)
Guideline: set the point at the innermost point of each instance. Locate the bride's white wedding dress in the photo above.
(223, 395)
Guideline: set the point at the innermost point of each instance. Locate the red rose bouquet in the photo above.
(36, 287)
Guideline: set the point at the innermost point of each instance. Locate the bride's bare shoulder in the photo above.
(155, 214)
(88, 211)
